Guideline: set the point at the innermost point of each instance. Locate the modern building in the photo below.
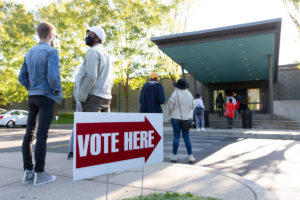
(242, 59)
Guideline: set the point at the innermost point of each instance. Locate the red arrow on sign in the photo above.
(107, 142)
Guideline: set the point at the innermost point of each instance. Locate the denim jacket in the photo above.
(40, 72)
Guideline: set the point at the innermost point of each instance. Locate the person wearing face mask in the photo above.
(94, 83)
(40, 76)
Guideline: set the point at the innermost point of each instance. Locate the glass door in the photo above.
(216, 93)
(254, 99)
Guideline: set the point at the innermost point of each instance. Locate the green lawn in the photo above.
(171, 196)
(64, 119)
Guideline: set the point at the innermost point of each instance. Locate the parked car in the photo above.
(2, 111)
(13, 118)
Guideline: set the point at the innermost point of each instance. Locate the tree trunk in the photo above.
(126, 99)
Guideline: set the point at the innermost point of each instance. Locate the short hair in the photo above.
(44, 29)
(198, 95)
(230, 100)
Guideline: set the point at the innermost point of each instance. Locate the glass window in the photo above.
(15, 113)
(254, 99)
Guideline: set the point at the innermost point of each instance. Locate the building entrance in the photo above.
(249, 98)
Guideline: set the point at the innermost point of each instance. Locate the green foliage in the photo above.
(171, 196)
(17, 28)
(128, 25)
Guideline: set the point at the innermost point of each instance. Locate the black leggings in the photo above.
(230, 120)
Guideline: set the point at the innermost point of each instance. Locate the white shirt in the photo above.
(199, 103)
(233, 100)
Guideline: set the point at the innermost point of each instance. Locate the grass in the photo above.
(64, 119)
(171, 196)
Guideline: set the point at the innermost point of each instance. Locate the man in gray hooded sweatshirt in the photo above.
(95, 81)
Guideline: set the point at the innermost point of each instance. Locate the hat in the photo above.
(181, 84)
(154, 75)
(98, 31)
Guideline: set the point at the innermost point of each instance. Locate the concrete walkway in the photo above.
(157, 178)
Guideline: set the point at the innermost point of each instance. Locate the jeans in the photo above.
(71, 142)
(230, 120)
(198, 120)
(41, 108)
(177, 126)
(96, 104)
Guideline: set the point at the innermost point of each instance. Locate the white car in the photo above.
(13, 118)
(2, 111)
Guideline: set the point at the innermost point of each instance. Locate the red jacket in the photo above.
(231, 109)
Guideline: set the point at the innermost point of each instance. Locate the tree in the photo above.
(175, 22)
(134, 21)
(293, 7)
(17, 28)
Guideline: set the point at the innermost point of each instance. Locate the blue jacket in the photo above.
(40, 72)
(152, 96)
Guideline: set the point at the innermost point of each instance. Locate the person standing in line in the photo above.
(40, 76)
(230, 116)
(152, 95)
(180, 107)
(219, 103)
(231, 97)
(78, 109)
(95, 81)
(199, 105)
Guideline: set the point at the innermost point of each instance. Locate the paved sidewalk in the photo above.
(157, 178)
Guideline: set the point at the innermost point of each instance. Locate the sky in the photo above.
(207, 14)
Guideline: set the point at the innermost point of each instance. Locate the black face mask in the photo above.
(89, 40)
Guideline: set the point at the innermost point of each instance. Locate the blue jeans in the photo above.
(177, 126)
(198, 120)
(41, 108)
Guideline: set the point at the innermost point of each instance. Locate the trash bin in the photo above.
(206, 118)
(247, 119)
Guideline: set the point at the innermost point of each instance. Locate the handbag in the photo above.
(227, 112)
(186, 124)
(198, 110)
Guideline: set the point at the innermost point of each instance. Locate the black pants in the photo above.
(230, 120)
(220, 109)
(41, 108)
(96, 104)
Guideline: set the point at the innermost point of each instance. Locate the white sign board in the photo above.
(105, 143)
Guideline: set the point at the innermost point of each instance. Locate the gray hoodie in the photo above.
(96, 74)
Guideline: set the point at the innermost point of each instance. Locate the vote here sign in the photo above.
(105, 143)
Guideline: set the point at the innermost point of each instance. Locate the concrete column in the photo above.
(182, 71)
(195, 84)
(270, 85)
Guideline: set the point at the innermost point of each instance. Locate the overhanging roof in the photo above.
(228, 54)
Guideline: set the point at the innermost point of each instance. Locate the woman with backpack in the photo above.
(199, 112)
(219, 103)
(229, 112)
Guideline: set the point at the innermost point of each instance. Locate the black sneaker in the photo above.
(70, 155)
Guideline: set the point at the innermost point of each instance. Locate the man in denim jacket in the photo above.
(40, 76)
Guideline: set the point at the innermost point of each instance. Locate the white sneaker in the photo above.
(191, 159)
(173, 158)
(203, 129)
(198, 129)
